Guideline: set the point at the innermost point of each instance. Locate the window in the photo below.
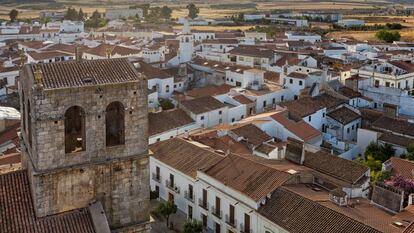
(300, 83)
(74, 129)
(190, 212)
(347, 130)
(323, 114)
(353, 127)
(309, 118)
(291, 81)
(202, 117)
(217, 226)
(190, 191)
(295, 97)
(115, 124)
(232, 120)
(167, 88)
(282, 98)
(218, 207)
(246, 223)
(157, 172)
(231, 213)
(171, 180)
(204, 200)
(264, 104)
(204, 220)
(274, 100)
(220, 112)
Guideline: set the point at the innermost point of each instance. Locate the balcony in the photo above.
(216, 212)
(189, 196)
(231, 222)
(156, 177)
(203, 204)
(172, 186)
(242, 230)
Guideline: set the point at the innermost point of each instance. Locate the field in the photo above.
(32, 11)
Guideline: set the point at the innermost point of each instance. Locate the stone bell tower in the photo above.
(186, 43)
(85, 139)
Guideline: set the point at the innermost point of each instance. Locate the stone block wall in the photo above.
(120, 185)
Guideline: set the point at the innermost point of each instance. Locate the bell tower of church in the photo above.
(186, 45)
(85, 139)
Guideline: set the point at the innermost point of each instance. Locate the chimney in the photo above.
(78, 53)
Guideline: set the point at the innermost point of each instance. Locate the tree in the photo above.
(388, 36)
(96, 20)
(192, 10)
(192, 226)
(165, 209)
(145, 8)
(96, 15)
(166, 12)
(13, 15)
(81, 15)
(71, 14)
(410, 152)
(380, 152)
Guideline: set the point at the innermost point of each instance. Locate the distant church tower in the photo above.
(85, 139)
(186, 48)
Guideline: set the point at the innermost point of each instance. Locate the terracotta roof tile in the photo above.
(167, 120)
(209, 91)
(86, 73)
(250, 178)
(343, 115)
(202, 104)
(298, 127)
(403, 167)
(252, 134)
(17, 212)
(332, 165)
(399, 126)
(297, 214)
(184, 156)
(243, 99)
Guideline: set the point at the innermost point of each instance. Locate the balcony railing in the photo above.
(171, 186)
(216, 212)
(156, 177)
(230, 222)
(203, 204)
(242, 230)
(189, 196)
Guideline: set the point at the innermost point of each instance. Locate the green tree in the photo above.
(71, 14)
(410, 152)
(166, 12)
(192, 226)
(380, 152)
(145, 8)
(388, 36)
(96, 15)
(13, 15)
(96, 20)
(192, 10)
(166, 209)
(81, 15)
(155, 14)
(369, 161)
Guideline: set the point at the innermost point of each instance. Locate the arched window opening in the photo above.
(74, 129)
(115, 124)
